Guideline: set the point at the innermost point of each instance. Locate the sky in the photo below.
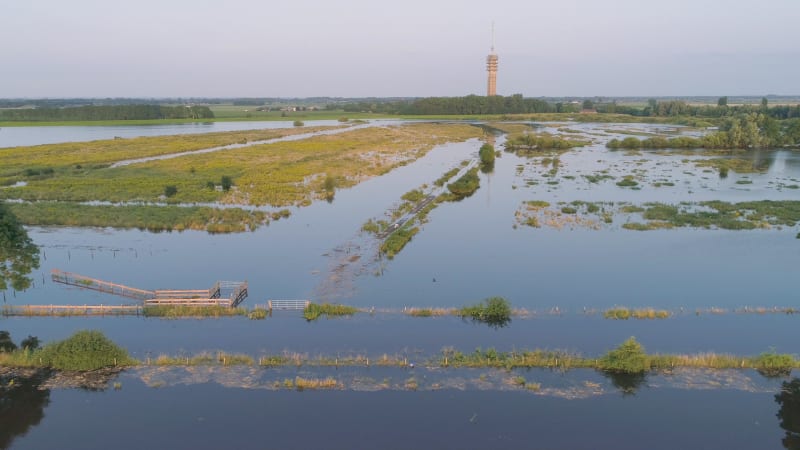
(414, 48)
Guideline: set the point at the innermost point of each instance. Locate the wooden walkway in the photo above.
(222, 293)
(71, 310)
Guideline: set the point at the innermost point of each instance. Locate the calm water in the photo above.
(24, 136)
(468, 251)
(210, 416)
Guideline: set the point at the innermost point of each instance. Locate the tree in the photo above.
(18, 254)
(487, 155)
(722, 101)
(629, 357)
(588, 104)
(789, 412)
(6, 344)
(170, 190)
(226, 182)
(764, 103)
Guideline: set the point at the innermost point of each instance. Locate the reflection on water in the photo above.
(627, 383)
(18, 254)
(789, 412)
(22, 404)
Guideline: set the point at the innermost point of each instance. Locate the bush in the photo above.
(774, 365)
(298, 123)
(6, 344)
(170, 191)
(495, 311)
(629, 357)
(84, 350)
(487, 154)
(226, 182)
(466, 185)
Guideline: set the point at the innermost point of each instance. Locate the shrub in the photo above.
(298, 123)
(170, 191)
(629, 357)
(774, 365)
(6, 344)
(226, 182)
(495, 311)
(84, 350)
(487, 154)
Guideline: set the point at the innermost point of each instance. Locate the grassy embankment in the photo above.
(315, 310)
(281, 174)
(91, 350)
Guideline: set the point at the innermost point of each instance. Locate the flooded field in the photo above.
(561, 264)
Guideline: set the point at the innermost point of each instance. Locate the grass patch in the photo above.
(644, 313)
(177, 311)
(397, 240)
(145, 217)
(466, 185)
(430, 312)
(627, 181)
(315, 310)
(494, 311)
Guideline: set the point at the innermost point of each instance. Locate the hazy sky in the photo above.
(355, 48)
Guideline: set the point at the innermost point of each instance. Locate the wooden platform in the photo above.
(222, 293)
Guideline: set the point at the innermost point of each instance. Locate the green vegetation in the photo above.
(627, 181)
(178, 311)
(298, 123)
(494, 311)
(444, 178)
(144, 217)
(397, 240)
(84, 350)
(526, 143)
(728, 216)
(170, 190)
(774, 365)
(18, 254)
(466, 185)
(80, 159)
(751, 130)
(629, 357)
(487, 155)
(413, 196)
(643, 313)
(314, 310)
(278, 174)
(430, 312)
(106, 112)
(258, 314)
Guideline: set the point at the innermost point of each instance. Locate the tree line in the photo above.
(107, 112)
(471, 104)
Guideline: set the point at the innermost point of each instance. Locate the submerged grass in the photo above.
(314, 310)
(178, 311)
(643, 313)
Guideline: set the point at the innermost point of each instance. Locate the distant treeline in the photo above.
(117, 112)
(752, 130)
(471, 104)
(674, 108)
(517, 104)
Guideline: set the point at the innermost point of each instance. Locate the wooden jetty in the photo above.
(222, 293)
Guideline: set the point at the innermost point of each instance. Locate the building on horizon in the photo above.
(491, 68)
